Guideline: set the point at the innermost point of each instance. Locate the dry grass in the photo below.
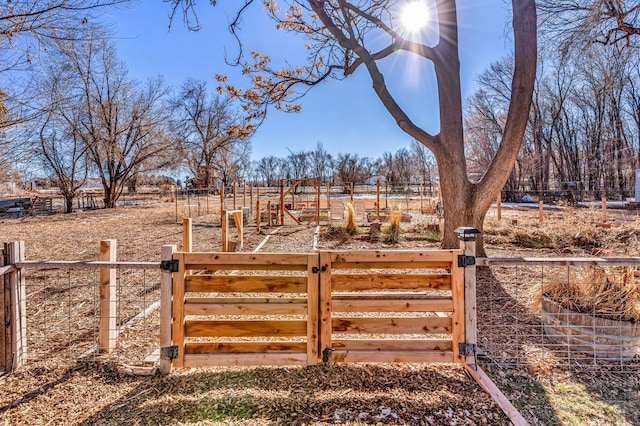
(614, 295)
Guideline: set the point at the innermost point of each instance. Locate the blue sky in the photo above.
(345, 116)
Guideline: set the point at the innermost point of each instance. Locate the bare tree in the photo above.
(122, 122)
(232, 161)
(320, 163)
(577, 23)
(351, 168)
(343, 37)
(205, 126)
(268, 169)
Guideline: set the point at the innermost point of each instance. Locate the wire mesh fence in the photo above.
(546, 314)
(64, 316)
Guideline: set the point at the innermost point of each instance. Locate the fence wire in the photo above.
(63, 316)
(580, 317)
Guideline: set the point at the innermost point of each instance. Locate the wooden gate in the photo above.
(245, 309)
(338, 306)
(391, 306)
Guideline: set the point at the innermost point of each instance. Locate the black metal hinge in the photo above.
(172, 265)
(464, 261)
(170, 352)
(466, 348)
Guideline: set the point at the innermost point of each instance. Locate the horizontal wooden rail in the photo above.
(90, 264)
(559, 261)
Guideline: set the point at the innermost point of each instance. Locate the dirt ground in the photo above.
(95, 394)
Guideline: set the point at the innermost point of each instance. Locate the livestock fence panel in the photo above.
(579, 314)
(62, 312)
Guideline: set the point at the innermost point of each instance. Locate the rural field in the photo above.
(59, 391)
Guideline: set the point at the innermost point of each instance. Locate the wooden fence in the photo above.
(275, 309)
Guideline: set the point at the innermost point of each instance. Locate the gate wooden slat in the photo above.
(431, 325)
(215, 307)
(245, 328)
(363, 282)
(352, 304)
(390, 345)
(244, 347)
(245, 284)
(313, 300)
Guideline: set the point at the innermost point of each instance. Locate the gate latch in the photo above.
(170, 352)
(325, 354)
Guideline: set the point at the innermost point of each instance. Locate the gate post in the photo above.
(166, 255)
(16, 308)
(108, 299)
(468, 237)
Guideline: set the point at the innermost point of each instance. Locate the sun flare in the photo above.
(414, 15)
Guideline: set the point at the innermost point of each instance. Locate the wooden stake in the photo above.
(166, 253)
(351, 191)
(258, 215)
(225, 231)
(499, 205)
(269, 213)
(421, 199)
(378, 199)
(234, 195)
(222, 206)
(281, 202)
(244, 194)
(318, 204)
(329, 202)
(541, 210)
(187, 235)
(108, 300)
(604, 207)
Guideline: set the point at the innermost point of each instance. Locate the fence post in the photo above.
(166, 289)
(16, 309)
(187, 235)
(108, 303)
(468, 237)
(5, 303)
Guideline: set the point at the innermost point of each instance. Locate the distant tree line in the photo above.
(584, 123)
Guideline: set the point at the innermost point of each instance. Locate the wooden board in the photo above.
(244, 347)
(245, 328)
(193, 307)
(246, 284)
(430, 325)
(392, 345)
(367, 282)
(440, 304)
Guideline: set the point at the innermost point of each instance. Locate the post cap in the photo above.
(466, 233)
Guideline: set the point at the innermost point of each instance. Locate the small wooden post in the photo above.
(604, 207)
(378, 199)
(499, 205)
(17, 339)
(251, 195)
(281, 212)
(237, 218)
(329, 203)
(108, 301)
(222, 206)
(269, 213)
(351, 191)
(421, 200)
(187, 235)
(541, 210)
(318, 204)
(166, 254)
(386, 194)
(225, 231)
(235, 185)
(258, 215)
(468, 237)
(244, 193)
